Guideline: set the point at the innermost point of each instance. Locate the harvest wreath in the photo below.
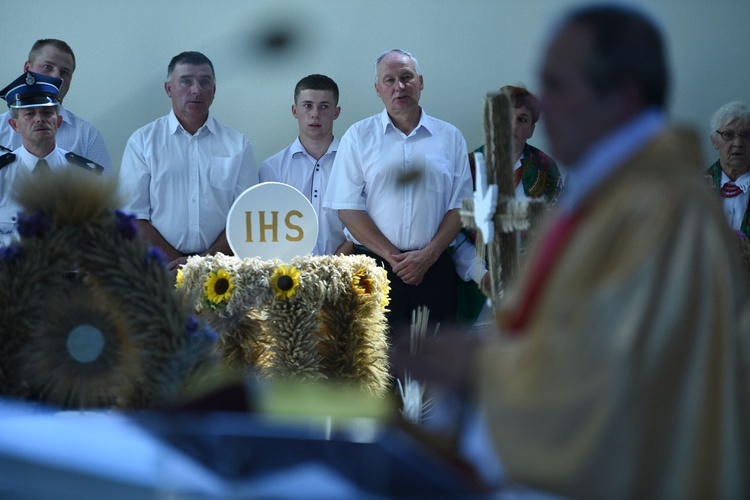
(88, 313)
(314, 318)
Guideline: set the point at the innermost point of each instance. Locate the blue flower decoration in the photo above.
(156, 256)
(34, 225)
(193, 330)
(125, 224)
(192, 326)
(10, 253)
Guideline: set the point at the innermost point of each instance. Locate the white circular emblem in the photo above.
(272, 220)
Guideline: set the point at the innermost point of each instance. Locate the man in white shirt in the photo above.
(306, 164)
(397, 182)
(34, 117)
(55, 58)
(181, 173)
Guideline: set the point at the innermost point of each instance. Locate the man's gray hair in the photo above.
(729, 112)
(414, 61)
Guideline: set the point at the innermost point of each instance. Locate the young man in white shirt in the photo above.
(306, 164)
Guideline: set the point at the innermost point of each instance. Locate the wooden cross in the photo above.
(499, 224)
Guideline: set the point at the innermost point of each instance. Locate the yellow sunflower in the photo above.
(219, 286)
(362, 283)
(285, 281)
(180, 280)
(386, 299)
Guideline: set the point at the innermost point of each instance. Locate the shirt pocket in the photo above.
(8, 219)
(438, 174)
(223, 172)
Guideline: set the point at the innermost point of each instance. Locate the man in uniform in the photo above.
(34, 105)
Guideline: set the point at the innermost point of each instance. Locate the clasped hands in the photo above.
(411, 266)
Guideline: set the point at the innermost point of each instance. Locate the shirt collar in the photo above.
(609, 153)
(298, 148)
(29, 160)
(174, 123)
(742, 182)
(425, 122)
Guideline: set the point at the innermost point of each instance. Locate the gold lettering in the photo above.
(249, 226)
(273, 226)
(287, 221)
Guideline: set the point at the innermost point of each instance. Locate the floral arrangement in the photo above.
(315, 318)
(88, 313)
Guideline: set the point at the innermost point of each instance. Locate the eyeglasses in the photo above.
(729, 136)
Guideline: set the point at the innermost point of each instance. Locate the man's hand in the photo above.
(412, 266)
(176, 263)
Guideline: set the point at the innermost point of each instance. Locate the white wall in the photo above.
(465, 47)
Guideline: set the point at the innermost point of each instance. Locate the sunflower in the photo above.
(362, 283)
(285, 281)
(386, 299)
(180, 279)
(219, 287)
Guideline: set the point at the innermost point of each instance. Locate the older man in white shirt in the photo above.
(397, 182)
(181, 173)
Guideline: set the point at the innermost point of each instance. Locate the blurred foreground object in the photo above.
(88, 313)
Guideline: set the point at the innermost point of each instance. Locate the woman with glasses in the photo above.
(730, 175)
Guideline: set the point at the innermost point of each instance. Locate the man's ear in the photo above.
(377, 90)
(336, 112)
(59, 120)
(294, 110)
(13, 124)
(168, 88)
(26, 66)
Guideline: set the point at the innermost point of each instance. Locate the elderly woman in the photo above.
(730, 175)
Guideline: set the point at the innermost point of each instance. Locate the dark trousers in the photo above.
(437, 291)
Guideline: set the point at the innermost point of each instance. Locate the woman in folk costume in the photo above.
(536, 174)
(536, 177)
(730, 175)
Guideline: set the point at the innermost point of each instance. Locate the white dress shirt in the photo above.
(375, 158)
(734, 208)
(75, 134)
(184, 184)
(23, 166)
(294, 166)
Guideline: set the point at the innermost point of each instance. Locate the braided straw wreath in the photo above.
(315, 318)
(88, 313)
